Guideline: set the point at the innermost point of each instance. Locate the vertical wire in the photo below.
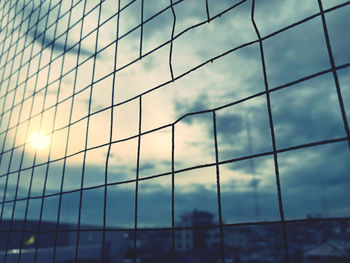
(137, 179)
(141, 35)
(334, 71)
(89, 111)
(86, 138)
(273, 140)
(171, 40)
(207, 10)
(173, 193)
(222, 244)
(114, 85)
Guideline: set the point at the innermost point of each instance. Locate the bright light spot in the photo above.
(39, 140)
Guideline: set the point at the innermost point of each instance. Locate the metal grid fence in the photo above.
(27, 24)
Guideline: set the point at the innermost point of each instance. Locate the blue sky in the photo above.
(314, 180)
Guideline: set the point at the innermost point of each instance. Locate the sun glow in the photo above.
(39, 140)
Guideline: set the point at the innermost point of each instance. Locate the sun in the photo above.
(39, 140)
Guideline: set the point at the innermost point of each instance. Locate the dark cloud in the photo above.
(321, 166)
(39, 32)
(57, 45)
(147, 166)
(243, 130)
(296, 53)
(274, 15)
(232, 124)
(307, 112)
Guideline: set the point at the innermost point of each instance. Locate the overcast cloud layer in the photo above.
(314, 180)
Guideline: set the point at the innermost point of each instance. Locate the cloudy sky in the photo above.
(70, 82)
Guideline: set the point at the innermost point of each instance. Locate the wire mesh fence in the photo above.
(174, 131)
